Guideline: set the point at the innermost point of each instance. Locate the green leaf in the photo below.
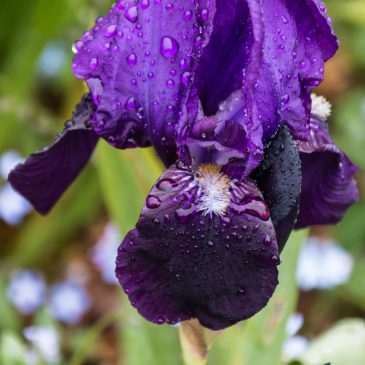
(343, 344)
(8, 318)
(260, 339)
(12, 349)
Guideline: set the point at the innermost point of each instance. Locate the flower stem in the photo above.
(193, 342)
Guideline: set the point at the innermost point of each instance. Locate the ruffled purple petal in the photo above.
(138, 62)
(279, 179)
(182, 261)
(328, 186)
(298, 39)
(46, 174)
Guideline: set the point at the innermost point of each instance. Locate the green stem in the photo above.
(193, 342)
(92, 335)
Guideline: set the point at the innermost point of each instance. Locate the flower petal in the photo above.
(279, 179)
(328, 186)
(138, 62)
(46, 174)
(226, 139)
(298, 39)
(182, 262)
(235, 45)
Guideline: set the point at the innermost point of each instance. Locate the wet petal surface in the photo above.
(298, 39)
(183, 261)
(279, 179)
(46, 174)
(328, 186)
(138, 62)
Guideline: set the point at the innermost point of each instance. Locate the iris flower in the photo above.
(222, 90)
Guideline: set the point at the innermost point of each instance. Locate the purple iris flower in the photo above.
(222, 90)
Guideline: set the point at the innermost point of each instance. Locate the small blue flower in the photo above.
(9, 160)
(323, 264)
(13, 207)
(68, 302)
(52, 59)
(27, 291)
(45, 345)
(105, 251)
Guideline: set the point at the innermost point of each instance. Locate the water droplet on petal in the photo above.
(185, 78)
(132, 59)
(204, 14)
(94, 63)
(110, 30)
(132, 14)
(131, 104)
(169, 47)
(120, 34)
(188, 15)
(153, 202)
(170, 84)
(145, 4)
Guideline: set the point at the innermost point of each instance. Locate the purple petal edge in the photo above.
(45, 175)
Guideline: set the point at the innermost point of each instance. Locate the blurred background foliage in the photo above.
(59, 303)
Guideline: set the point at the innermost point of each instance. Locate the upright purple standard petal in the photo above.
(46, 174)
(203, 247)
(138, 62)
(226, 129)
(298, 39)
(328, 186)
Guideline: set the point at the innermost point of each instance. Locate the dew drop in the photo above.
(132, 14)
(132, 59)
(185, 78)
(169, 47)
(145, 4)
(204, 14)
(94, 63)
(131, 104)
(188, 15)
(110, 30)
(170, 84)
(183, 64)
(153, 202)
(120, 34)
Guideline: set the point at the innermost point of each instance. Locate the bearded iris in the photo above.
(222, 90)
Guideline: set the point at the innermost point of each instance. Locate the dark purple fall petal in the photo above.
(46, 174)
(279, 179)
(298, 39)
(328, 186)
(138, 62)
(182, 261)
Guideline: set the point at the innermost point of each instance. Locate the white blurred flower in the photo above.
(68, 302)
(105, 253)
(27, 291)
(323, 264)
(13, 207)
(294, 324)
(294, 347)
(8, 160)
(45, 345)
